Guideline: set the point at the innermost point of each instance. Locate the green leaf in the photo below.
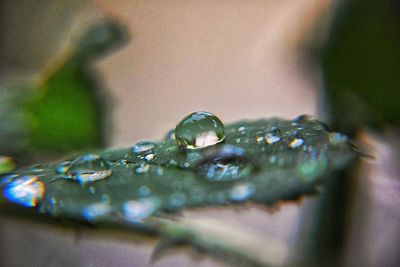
(64, 110)
(361, 66)
(262, 161)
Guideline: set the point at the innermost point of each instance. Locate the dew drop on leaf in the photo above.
(138, 210)
(199, 130)
(242, 192)
(143, 168)
(228, 163)
(296, 142)
(88, 168)
(177, 200)
(272, 135)
(144, 150)
(92, 212)
(25, 190)
(144, 191)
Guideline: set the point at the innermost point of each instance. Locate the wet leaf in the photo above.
(130, 185)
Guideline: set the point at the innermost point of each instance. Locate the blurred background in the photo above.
(81, 74)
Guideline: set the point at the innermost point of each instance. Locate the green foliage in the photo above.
(65, 110)
(68, 112)
(361, 65)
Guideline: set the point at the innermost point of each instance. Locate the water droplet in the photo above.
(242, 192)
(144, 150)
(37, 168)
(121, 162)
(143, 168)
(242, 129)
(336, 139)
(302, 118)
(144, 191)
(272, 135)
(25, 190)
(199, 130)
(138, 210)
(96, 210)
(226, 164)
(177, 200)
(63, 167)
(92, 190)
(88, 168)
(160, 171)
(296, 142)
(260, 139)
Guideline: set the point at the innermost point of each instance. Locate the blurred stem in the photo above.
(176, 233)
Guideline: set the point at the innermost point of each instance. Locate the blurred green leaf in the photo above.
(65, 110)
(361, 65)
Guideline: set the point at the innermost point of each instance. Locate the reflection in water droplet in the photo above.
(227, 164)
(336, 139)
(272, 135)
(144, 150)
(177, 200)
(296, 142)
(96, 210)
(138, 210)
(199, 130)
(25, 190)
(143, 168)
(242, 192)
(88, 168)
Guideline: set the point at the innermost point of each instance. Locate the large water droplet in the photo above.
(88, 168)
(25, 190)
(226, 164)
(144, 150)
(199, 130)
(138, 210)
